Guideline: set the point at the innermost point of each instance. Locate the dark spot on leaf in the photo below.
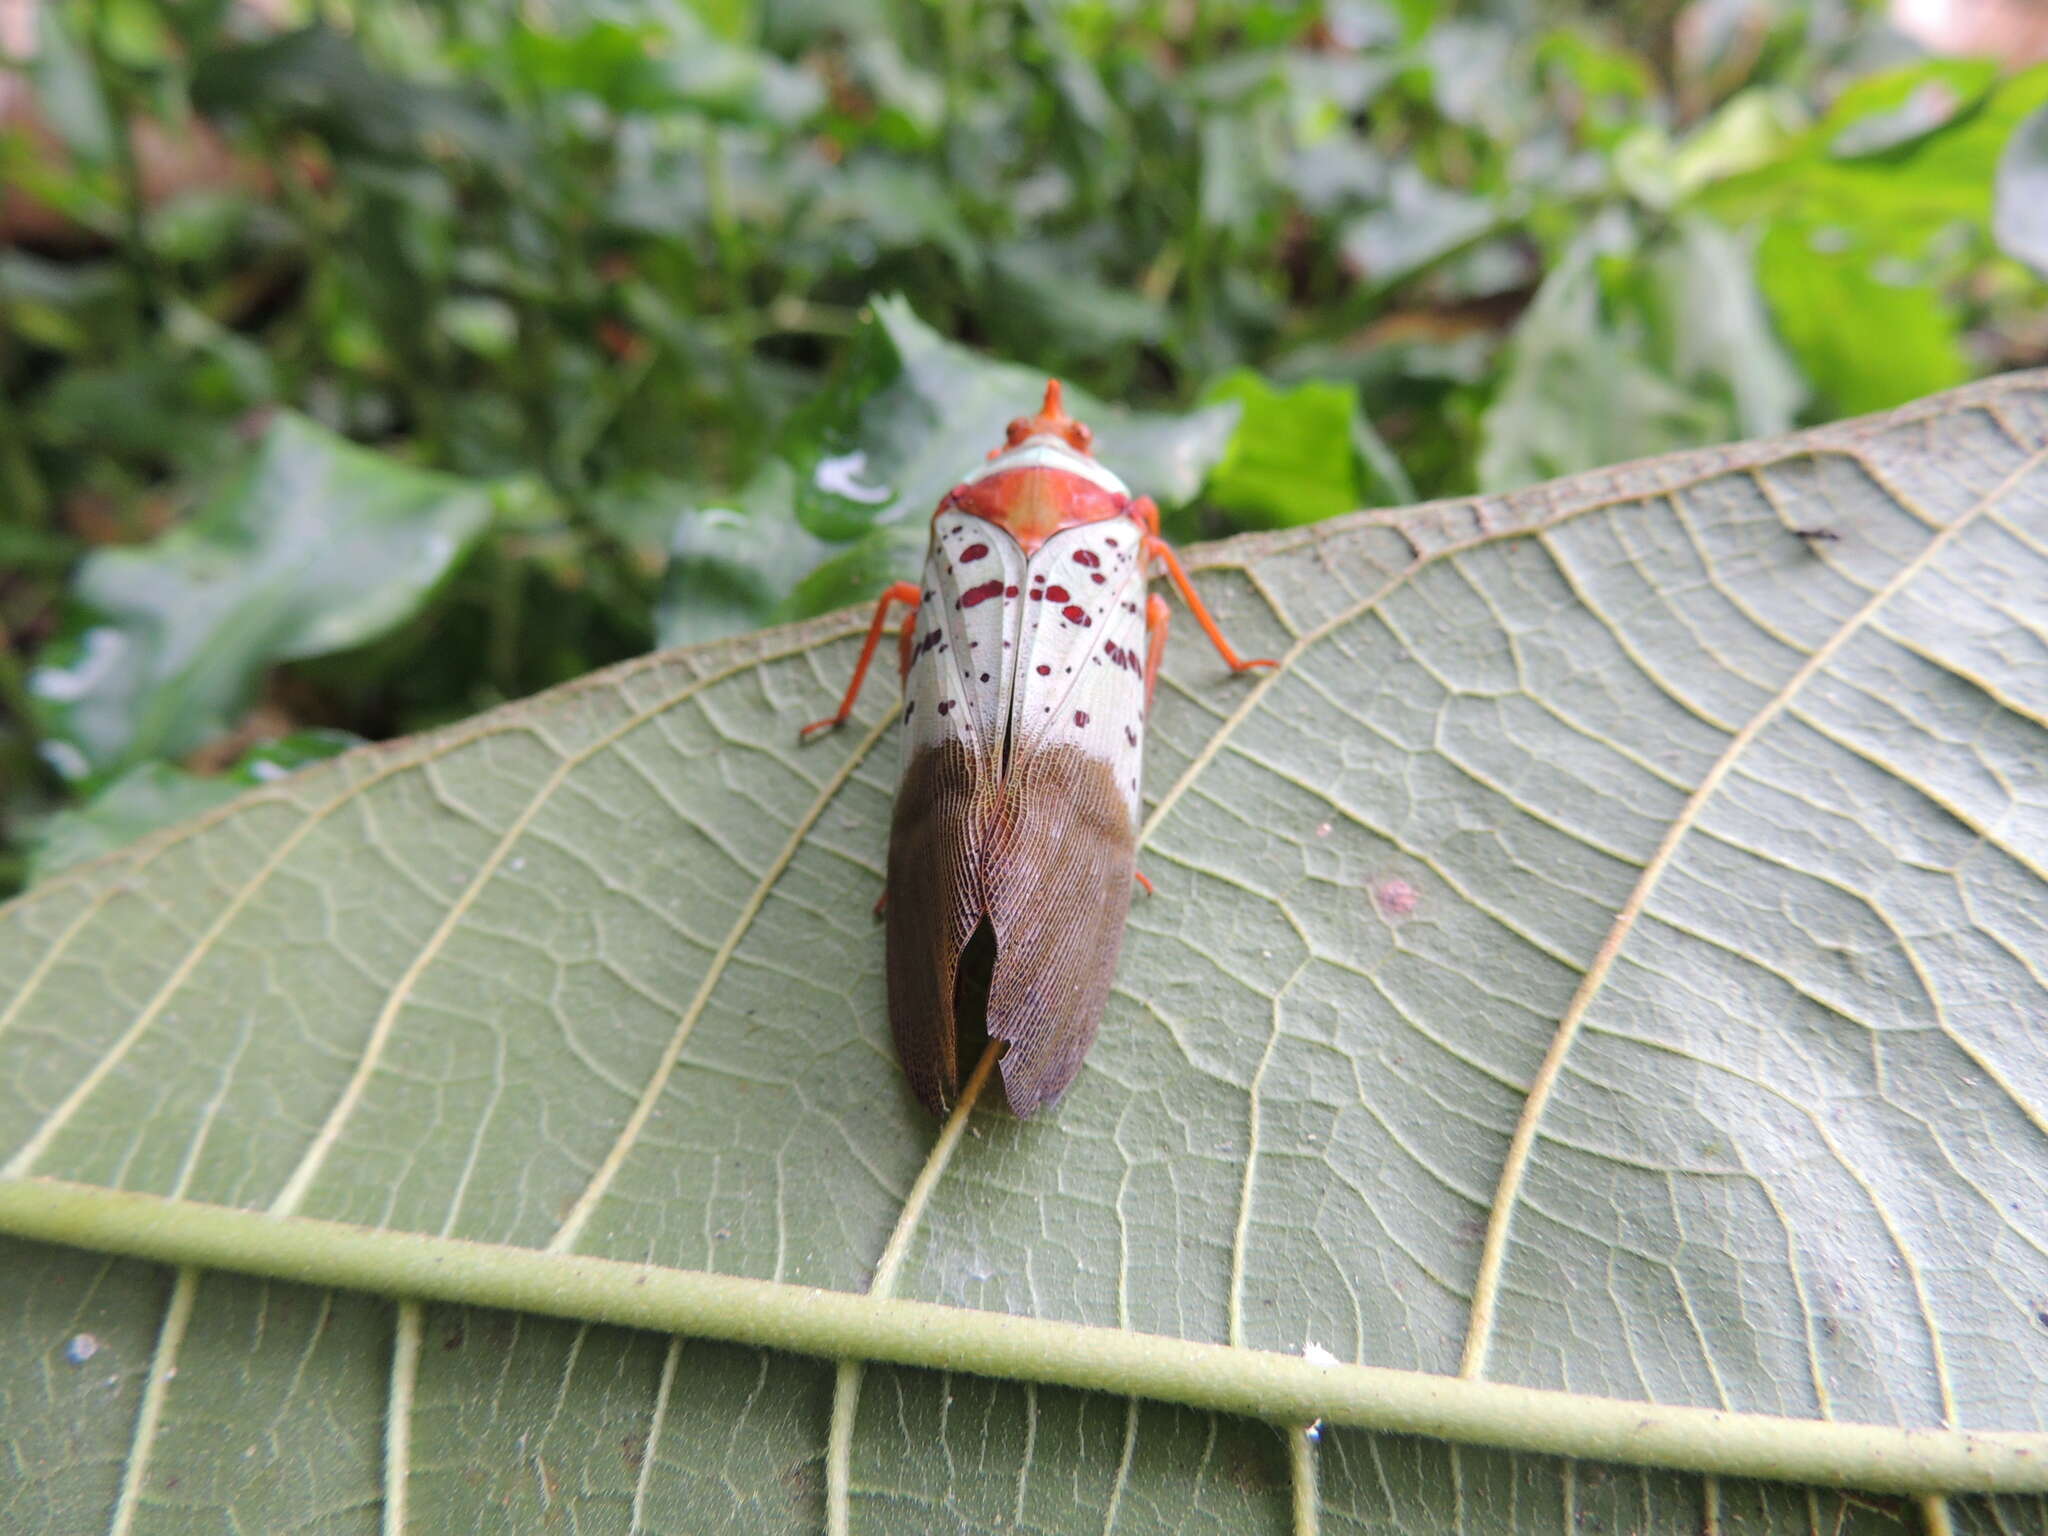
(804, 1483)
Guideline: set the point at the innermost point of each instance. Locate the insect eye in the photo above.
(1079, 435)
(1020, 428)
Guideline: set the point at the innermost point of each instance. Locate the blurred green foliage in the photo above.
(369, 363)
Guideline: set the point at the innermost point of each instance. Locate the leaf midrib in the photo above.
(839, 1325)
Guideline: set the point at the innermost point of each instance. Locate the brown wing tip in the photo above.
(1027, 1098)
(1052, 420)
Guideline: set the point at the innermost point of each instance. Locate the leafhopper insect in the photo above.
(1029, 658)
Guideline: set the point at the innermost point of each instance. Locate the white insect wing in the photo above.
(967, 638)
(1081, 655)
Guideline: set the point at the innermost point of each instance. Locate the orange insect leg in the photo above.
(901, 592)
(1157, 617)
(1158, 546)
(1139, 876)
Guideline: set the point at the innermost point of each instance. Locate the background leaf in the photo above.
(1705, 854)
(842, 510)
(2020, 209)
(1632, 342)
(921, 408)
(1292, 461)
(153, 795)
(317, 547)
(1867, 341)
(1909, 195)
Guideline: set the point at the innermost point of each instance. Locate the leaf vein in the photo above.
(1494, 1254)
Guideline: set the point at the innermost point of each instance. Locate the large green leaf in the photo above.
(317, 546)
(1633, 347)
(843, 510)
(1901, 158)
(892, 439)
(1606, 958)
(1866, 343)
(153, 795)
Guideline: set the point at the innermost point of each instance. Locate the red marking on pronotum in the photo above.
(1003, 829)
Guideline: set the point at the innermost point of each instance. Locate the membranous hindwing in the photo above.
(1081, 650)
(962, 655)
